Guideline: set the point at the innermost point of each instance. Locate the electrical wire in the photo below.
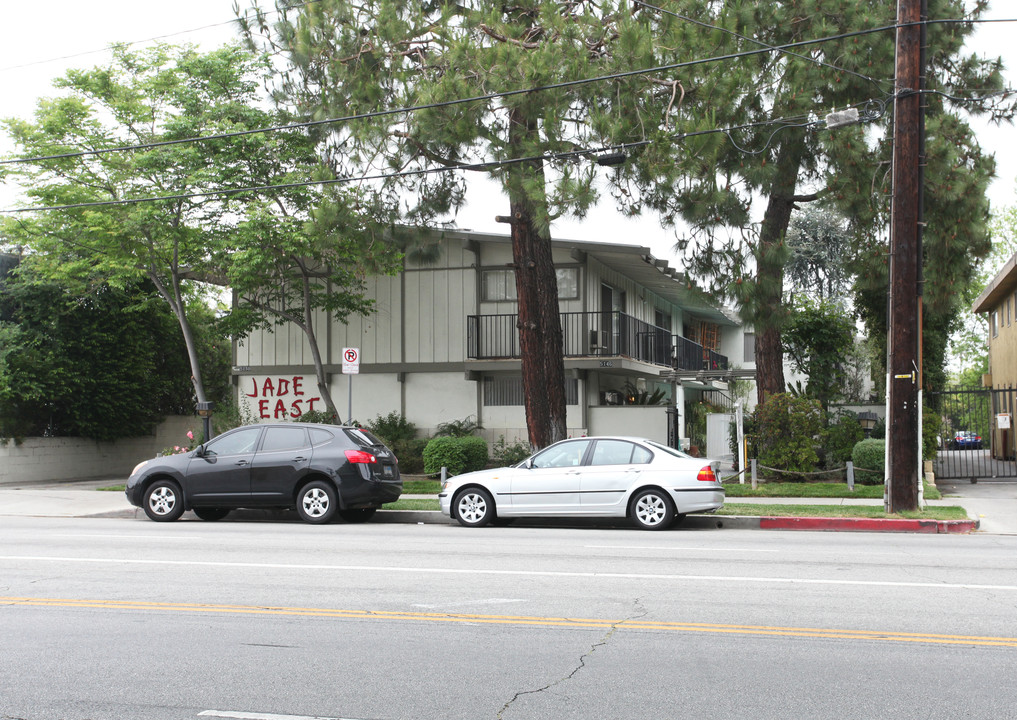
(459, 101)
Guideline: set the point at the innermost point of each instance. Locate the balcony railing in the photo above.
(596, 334)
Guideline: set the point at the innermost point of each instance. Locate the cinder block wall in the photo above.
(60, 459)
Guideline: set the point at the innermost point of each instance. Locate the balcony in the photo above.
(594, 334)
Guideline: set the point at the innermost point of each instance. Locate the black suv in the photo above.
(321, 470)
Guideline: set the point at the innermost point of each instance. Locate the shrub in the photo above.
(444, 451)
(841, 439)
(788, 431)
(458, 428)
(504, 454)
(931, 422)
(410, 454)
(323, 417)
(475, 449)
(393, 427)
(868, 457)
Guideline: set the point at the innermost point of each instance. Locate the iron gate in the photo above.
(976, 435)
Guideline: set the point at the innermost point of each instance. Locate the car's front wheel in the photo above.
(317, 502)
(358, 515)
(163, 501)
(474, 507)
(652, 509)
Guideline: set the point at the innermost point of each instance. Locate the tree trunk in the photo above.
(539, 322)
(768, 312)
(319, 367)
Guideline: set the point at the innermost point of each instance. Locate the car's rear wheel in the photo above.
(163, 501)
(317, 502)
(358, 515)
(652, 509)
(474, 507)
(211, 514)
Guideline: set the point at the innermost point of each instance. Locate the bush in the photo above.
(393, 428)
(841, 439)
(788, 431)
(504, 454)
(444, 451)
(458, 428)
(410, 454)
(931, 422)
(475, 449)
(868, 457)
(323, 417)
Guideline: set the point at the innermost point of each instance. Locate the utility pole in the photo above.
(905, 312)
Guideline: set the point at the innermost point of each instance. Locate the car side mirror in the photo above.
(199, 451)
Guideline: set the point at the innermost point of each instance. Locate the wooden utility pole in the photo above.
(904, 335)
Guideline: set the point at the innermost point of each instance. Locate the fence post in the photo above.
(753, 461)
(444, 475)
(851, 476)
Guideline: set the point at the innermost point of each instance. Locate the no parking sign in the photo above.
(351, 361)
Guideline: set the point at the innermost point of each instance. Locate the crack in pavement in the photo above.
(641, 612)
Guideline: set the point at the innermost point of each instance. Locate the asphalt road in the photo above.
(114, 618)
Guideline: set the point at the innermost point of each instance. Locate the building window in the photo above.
(508, 391)
(500, 285)
(994, 322)
(750, 347)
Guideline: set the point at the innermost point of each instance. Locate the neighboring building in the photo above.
(442, 344)
(999, 302)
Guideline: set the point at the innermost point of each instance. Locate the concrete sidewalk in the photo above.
(991, 510)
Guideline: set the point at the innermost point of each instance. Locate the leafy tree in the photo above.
(106, 365)
(820, 241)
(787, 433)
(818, 337)
(103, 237)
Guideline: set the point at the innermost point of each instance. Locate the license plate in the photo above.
(386, 470)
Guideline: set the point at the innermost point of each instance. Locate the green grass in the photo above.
(951, 512)
(420, 487)
(413, 504)
(112, 488)
(814, 490)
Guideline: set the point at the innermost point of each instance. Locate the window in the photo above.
(502, 391)
(500, 285)
(278, 439)
(994, 322)
(750, 347)
(568, 454)
(241, 441)
(619, 452)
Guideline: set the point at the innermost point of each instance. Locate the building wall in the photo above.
(1003, 343)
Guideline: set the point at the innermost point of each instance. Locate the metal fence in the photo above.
(972, 441)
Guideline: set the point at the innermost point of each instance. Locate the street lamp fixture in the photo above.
(205, 413)
(868, 421)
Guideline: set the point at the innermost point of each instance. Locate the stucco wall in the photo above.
(58, 459)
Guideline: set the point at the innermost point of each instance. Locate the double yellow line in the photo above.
(629, 624)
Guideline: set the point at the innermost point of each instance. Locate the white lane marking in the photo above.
(261, 716)
(521, 573)
(683, 549)
(134, 537)
(469, 603)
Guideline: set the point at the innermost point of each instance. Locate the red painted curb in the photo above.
(868, 525)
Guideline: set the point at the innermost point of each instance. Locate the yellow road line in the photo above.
(835, 633)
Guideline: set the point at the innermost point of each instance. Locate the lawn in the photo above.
(814, 490)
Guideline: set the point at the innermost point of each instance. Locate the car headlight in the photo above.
(138, 467)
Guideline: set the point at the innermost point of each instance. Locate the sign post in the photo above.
(351, 367)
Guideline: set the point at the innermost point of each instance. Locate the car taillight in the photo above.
(706, 475)
(360, 456)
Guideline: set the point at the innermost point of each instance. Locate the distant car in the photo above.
(589, 477)
(321, 470)
(965, 440)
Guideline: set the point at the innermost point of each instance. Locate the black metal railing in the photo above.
(585, 334)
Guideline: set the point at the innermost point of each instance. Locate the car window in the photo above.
(234, 443)
(668, 450)
(567, 454)
(319, 437)
(619, 452)
(361, 437)
(284, 438)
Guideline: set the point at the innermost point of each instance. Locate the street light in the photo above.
(205, 413)
(868, 420)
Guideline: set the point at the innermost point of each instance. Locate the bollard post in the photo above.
(851, 476)
(754, 480)
(444, 475)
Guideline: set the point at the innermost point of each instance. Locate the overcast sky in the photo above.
(44, 39)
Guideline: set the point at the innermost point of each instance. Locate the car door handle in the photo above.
(241, 462)
(299, 458)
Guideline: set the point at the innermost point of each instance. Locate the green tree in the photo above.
(818, 338)
(106, 365)
(102, 236)
(819, 240)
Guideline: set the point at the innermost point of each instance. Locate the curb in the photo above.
(691, 522)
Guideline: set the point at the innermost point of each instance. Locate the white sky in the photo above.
(43, 40)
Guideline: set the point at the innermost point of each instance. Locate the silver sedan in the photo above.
(589, 477)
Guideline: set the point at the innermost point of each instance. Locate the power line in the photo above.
(458, 101)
